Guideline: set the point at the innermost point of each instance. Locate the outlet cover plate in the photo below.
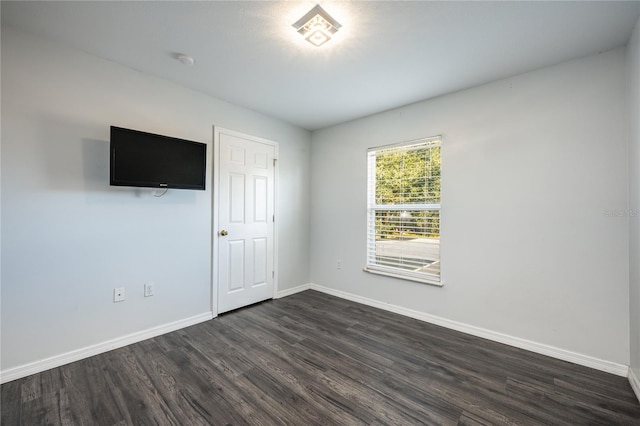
(148, 290)
(118, 294)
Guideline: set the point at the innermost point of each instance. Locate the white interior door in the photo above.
(245, 220)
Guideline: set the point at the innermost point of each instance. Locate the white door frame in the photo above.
(215, 205)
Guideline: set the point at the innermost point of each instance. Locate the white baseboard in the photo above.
(78, 354)
(294, 290)
(634, 379)
(576, 358)
(565, 355)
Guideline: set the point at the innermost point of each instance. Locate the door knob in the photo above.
(223, 233)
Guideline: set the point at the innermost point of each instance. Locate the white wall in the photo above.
(633, 51)
(530, 164)
(68, 238)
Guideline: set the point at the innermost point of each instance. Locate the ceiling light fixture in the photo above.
(317, 27)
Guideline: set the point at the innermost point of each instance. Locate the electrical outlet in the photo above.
(118, 294)
(148, 290)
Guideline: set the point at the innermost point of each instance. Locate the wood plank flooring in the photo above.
(313, 359)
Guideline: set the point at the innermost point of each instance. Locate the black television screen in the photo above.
(155, 161)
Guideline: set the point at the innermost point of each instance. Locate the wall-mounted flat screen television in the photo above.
(156, 161)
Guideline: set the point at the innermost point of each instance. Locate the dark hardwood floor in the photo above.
(313, 359)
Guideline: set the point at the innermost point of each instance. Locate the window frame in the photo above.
(373, 207)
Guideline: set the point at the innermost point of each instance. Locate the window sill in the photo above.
(404, 277)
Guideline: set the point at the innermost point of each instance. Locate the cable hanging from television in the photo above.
(158, 196)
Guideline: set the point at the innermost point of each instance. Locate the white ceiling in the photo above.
(386, 55)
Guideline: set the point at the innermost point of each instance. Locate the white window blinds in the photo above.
(403, 237)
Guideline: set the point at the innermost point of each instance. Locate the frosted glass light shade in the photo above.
(317, 26)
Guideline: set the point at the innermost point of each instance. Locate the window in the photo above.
(403, 235)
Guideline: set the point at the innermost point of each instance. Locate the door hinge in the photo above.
(273, 218)
(274, 162)
(273, 274)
